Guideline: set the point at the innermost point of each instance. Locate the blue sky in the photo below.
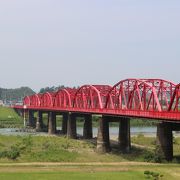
(75, 42)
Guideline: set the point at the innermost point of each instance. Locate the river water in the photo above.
(113, 131)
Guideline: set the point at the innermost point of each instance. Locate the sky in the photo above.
(75, 42)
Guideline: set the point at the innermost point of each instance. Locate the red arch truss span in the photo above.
(141, 94)
(64, 98)
(164, 89)
(35, 100)
(91, 96)
(175, 100)
(47, 99)
(26, 101)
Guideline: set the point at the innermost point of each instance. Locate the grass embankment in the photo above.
(63, 158)
(9, 118)
(56, 149)
(62, 149)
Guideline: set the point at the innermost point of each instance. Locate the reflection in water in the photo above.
(114, 131)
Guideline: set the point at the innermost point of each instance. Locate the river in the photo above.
(113, 131)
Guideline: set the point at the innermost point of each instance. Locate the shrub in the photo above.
(151, 174)
(13, 153)
(158, 156)
(149, 157)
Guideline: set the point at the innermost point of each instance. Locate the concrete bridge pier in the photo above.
(124, 134)
(164, 140)
(51, 123)
(64, 123)
(71, 126)
(103, 142)
(39, 121)
(31, 119)
(87, 129)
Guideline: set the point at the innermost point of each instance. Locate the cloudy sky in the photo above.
(75, 42)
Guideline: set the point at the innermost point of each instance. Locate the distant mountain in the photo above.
(14, 95)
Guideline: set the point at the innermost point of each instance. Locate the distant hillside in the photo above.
(9, 95)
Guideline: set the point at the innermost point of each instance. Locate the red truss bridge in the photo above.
(143, 98)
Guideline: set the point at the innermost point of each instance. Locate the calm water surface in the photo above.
(113, 131)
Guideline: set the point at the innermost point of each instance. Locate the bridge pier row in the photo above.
(31, 119)
(103, 142)
(51, 123)
(71, 126)
(124, 134)
(64, 123)
(87, 129)
(39, 121)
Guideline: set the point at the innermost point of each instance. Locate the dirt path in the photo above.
(76, 164)
(71, 167)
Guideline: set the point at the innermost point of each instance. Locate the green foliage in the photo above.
(53, 88)
(143, 122)
(154, 156)
(15, 94)
(148, 156)
(13, 153)
(158, 155)
(153, 175)
(15, 150)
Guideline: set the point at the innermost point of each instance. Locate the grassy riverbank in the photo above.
(9, 118)
(55, 157)
(62, 149)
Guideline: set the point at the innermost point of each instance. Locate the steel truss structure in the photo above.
(145, 98)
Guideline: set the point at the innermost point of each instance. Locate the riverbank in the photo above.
(62, 149)
(57, 157)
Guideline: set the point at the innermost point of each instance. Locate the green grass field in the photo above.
(72, 175)
(124, 171)
(9, 118)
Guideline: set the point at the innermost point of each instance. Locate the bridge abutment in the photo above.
(103, 142)
(87, 129)
(71, 126)
(124, 134)
(52, 123)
